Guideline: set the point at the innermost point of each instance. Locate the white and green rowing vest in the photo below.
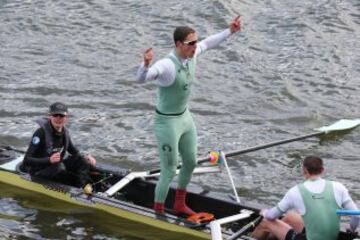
(320, 219)
(173, 99)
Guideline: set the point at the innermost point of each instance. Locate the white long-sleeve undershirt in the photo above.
(163, 71)
(293, 200)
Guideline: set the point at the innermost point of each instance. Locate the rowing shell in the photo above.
(135, 200)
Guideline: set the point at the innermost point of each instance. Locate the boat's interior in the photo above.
(138, 194)
(141, 193)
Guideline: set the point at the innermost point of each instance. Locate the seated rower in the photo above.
(314, 203)
(51, 153)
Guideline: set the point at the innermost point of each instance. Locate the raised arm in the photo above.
(163, 71)
(143, 71)
(216, 39)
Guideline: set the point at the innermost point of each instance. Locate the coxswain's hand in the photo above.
(235, 25)
(91, 160)
(55, 158)
(148, 57)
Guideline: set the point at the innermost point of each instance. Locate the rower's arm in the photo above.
(212, 41)
(354, 220)
(163, 72)
(273, 213)
(291, 200)
(344, 200)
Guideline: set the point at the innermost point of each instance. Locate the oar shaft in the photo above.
(255, 148)
(341, 125)
(264, 146)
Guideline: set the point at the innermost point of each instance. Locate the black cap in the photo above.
(58, 108)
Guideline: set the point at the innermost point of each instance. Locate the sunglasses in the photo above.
(190, 43)
(58, 115)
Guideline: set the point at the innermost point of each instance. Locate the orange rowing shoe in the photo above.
(201, 217)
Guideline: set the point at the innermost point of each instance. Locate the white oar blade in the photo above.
(343, 124)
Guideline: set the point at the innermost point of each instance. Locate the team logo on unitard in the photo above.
(166, 148)
(317, 196)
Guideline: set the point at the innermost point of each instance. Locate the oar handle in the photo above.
(347, 212)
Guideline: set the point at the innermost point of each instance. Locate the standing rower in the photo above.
(174, 127)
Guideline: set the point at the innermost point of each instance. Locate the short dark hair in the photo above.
(313, 164)
(181, 33)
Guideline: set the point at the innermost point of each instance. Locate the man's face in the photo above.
(58, 121)
(188, 46)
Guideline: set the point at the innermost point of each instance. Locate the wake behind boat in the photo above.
(134, 201)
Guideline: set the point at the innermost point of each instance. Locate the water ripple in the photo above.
(293, 68)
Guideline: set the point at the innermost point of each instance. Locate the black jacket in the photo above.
(46, 141)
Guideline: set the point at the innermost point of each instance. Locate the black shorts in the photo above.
(292, 235)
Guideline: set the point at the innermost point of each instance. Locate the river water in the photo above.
(294, 67)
